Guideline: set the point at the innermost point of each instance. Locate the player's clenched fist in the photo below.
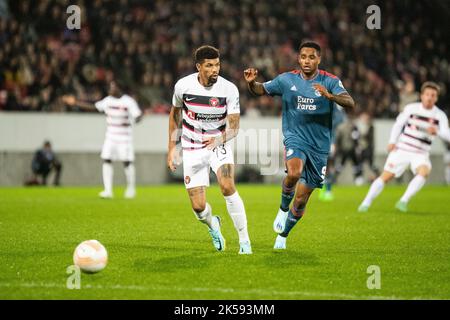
(322, 90)
(250, 74)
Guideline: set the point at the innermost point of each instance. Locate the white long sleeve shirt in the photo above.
(410, 133)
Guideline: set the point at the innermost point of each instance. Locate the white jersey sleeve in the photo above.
(177, 99)
(102, 104)
(444, 131)
(133, 107)
(233, 105)
(400, 122)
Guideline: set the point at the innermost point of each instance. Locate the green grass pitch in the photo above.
(157, 249)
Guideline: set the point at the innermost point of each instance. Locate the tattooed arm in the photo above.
(343, 99)
(231, 132)
(232, 128)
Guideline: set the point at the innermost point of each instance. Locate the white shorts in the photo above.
(197, 163)
(117, 151)
(399, 160)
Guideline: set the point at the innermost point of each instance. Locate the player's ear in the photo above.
(197, 65)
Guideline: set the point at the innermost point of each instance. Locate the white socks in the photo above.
(413, 187)
(108, 177)
(377, 186)
(375, 189)
(206, 217)
(130, 173)
(108, 173)
(236, 210)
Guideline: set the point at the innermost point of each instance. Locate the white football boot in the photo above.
(280, 221)
(245, 247)
(280, 243)
(130, 193)
(105, 195)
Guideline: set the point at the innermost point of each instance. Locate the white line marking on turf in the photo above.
(221, 290)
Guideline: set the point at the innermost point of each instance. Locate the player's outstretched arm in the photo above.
(254, 87)
(71, 101)
(175, 117)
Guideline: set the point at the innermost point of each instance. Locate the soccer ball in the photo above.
(90, 256)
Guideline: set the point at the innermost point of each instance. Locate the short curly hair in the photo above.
(205, 52)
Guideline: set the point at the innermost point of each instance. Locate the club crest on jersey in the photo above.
(317, 93)
(289, 152)
(214, 102)
(187, 179)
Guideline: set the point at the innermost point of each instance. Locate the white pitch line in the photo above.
(221, 290)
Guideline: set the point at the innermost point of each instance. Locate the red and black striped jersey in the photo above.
(205, 109)
(410, 131)
(120, 116)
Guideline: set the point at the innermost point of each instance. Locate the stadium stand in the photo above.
(148, 44)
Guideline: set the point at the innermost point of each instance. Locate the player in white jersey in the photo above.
(409, 145)
(203, 103)
(122, 112)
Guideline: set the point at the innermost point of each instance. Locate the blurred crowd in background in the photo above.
(149, 45)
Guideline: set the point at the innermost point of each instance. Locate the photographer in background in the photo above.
(365, 147)
(347, 136)
(44, 161)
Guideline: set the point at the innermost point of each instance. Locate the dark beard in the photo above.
(212, 80)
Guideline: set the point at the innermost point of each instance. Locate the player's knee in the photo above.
(227, 188)
(424, 171)
(294, 174)
(424, 174)
(387, 176)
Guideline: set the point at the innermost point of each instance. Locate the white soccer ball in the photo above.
(90, 256)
